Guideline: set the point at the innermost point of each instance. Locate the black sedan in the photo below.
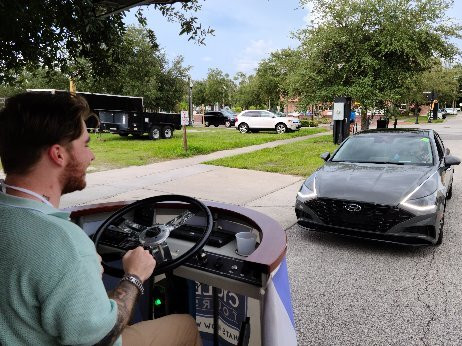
(389, 185)
(217, 118)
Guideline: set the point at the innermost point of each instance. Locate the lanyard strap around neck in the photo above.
(23, 190)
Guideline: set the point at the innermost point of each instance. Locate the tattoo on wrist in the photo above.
(125, 295)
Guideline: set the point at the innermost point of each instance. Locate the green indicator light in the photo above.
(157, 302)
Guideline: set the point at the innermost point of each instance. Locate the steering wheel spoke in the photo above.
(161, 253)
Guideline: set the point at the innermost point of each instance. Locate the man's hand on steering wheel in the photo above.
(139, 262)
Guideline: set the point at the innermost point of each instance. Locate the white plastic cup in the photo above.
(246, 242)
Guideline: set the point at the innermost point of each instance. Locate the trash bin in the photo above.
(382, 123)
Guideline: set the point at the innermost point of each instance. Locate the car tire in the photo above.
(441, 228)
(228, 123)
(206, 124)
(154, 133)
(216, 125)
(281, 128)
(449, 194)
(167, 132)
(243, 128)
(440, 237)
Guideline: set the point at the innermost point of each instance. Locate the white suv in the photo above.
(256, 120)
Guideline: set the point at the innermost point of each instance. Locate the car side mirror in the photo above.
(451, 161)
(325, 156)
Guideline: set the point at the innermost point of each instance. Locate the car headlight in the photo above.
(423, 205)
(307, 192)
(423, 199)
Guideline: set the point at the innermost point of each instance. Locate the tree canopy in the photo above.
(53, 34)
(141, 70)
(371, 49)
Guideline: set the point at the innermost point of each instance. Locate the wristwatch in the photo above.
(135, 281)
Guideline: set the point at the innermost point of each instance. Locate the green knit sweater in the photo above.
(50, 284)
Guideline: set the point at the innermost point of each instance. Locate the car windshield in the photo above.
(227, 112)
(278, 114)
(385, 148)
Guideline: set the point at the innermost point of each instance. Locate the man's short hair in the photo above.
(32, 122)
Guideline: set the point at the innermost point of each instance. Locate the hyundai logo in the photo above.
(352, 207)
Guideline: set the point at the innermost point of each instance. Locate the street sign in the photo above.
(338, 113)
(184, 118)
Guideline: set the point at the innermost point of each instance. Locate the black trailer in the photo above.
(125, 115)
(156, 125)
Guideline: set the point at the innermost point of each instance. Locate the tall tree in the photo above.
(272, 76)
(247, 94)
(141, 70)
(371, 49)
(218, 87)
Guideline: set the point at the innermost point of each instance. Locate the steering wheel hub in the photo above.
(154, 235)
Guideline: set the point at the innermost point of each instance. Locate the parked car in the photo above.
(390, 185)
(295, 114)
(441, 114)
(452, 111)
(256, 120)
(217, 118)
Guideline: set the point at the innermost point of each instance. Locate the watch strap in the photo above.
(135, 280)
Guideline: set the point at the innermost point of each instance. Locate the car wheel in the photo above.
(216, 125)
(243, 128)
(228, 123)
(206, 124)
(281, 128)
(449, 194)
(154, 133)
(167, 132)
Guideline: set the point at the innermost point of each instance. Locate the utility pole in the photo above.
(190, 108)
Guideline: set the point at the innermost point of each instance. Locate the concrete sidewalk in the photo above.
(270, 193)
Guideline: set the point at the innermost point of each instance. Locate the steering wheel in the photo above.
(136, 225)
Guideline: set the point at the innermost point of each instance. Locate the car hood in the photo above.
(293, 119)
(372, 183)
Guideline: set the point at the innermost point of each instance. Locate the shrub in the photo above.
(324, 120)
(309, 123)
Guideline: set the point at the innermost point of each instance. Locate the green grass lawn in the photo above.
(408, 119)
(423, 119)
(300, 158)
(113, 151)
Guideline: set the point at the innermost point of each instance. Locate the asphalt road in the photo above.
(355, 292)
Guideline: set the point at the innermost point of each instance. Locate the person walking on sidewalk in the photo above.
(51, 291)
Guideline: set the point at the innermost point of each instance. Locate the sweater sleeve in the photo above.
(78, 310)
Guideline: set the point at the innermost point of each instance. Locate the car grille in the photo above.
(371, 217)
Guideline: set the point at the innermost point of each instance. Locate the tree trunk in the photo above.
(364, 120)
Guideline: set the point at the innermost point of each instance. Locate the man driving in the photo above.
(51, 291)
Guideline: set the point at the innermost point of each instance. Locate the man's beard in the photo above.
(73, 177)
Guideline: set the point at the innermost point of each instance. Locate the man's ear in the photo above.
(57, 154)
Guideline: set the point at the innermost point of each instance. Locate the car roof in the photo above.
(420, 132)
